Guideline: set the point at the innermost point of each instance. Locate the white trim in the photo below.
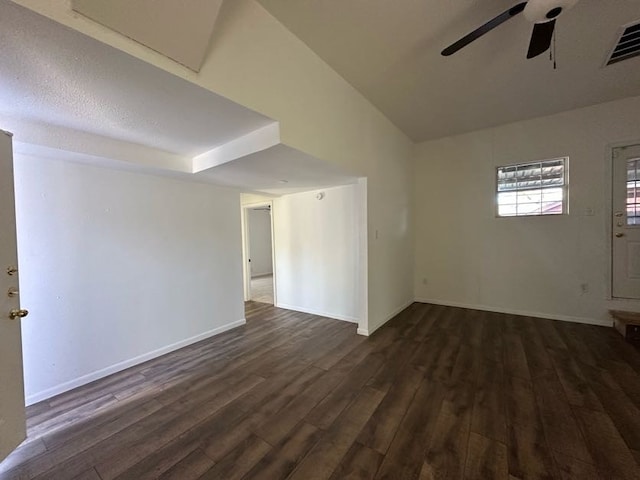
(362, 258)
(256, 141)
(246, 273)
(369, 331)
(272, 209)
(103, 372)
(335, 316)
(565, 188)
(608, 216)
(511, 311)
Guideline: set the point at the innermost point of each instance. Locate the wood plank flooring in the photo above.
(437, 393)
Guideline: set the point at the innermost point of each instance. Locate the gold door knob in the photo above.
(619, 234)
(12, 270)
(15, 313)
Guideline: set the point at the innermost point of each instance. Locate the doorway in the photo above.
(259, 257)
(625, 228)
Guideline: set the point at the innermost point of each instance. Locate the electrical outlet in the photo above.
(584, 288)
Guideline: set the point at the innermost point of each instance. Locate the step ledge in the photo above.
(628, 318)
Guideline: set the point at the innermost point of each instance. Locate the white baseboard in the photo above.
(510, 311)
(368, 331)
(103, 372)
(335, 316)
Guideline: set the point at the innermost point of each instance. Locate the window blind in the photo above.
(533, 188)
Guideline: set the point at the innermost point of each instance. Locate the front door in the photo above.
(626, 222)
(12, 412)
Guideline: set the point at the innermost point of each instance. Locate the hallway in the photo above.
(262, 289)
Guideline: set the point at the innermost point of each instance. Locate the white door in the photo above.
(12, 412)
(626, 222)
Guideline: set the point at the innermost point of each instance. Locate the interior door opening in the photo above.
(259, 264)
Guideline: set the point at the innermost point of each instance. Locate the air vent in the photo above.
(628, 45)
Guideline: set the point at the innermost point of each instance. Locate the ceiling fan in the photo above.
(542, 13)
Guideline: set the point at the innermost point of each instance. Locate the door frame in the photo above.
(246, 267)
(608, 219)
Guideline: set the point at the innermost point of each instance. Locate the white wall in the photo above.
(255, 61)
(118, 267)
(534, 265)
(316, 250)
(259, 223)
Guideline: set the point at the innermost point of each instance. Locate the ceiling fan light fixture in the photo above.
(554, 12)
(540, 11)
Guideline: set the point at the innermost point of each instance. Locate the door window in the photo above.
(633, 192)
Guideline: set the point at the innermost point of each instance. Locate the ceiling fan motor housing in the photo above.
(541, 11)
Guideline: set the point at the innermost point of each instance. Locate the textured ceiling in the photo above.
(55, 75)
(280, 170)
(390, 52)
(61, 89)
(149, 21)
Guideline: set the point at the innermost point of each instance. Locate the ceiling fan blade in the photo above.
(486, 28)
(541, 38)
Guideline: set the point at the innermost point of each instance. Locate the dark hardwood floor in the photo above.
(439, 392)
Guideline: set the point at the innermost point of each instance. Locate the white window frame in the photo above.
(565, 189)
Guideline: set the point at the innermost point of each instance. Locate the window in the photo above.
(535, 188)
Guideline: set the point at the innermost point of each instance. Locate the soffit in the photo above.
(57, 76)
(66, 96)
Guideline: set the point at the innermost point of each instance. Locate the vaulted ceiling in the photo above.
(66, 96)
(65, 79)
(59, 81)
(182, 34)
(390, 52)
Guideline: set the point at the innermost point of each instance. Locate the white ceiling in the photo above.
(390, 51)
(280, 170)
(56, 83)
(61, 90)
(55, 75)
(149, 21)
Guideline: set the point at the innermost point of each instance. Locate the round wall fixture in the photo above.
(320, 196)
